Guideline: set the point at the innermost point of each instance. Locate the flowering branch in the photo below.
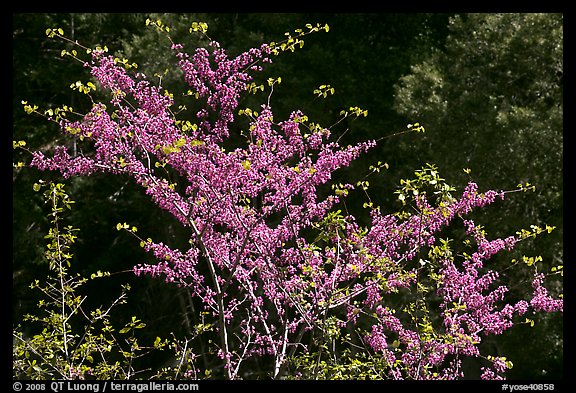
(269, 283)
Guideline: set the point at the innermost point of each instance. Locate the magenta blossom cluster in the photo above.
(250, 210)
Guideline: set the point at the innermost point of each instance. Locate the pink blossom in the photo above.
(541, 300)
(254, 208)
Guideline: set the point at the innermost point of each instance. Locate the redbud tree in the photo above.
(282, 271)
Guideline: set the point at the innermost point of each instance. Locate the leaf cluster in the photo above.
(67, 341)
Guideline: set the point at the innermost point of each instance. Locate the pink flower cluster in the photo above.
(251, 210)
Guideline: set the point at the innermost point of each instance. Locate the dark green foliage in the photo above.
(492, 102)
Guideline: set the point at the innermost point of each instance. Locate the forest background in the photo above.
(487, 87)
